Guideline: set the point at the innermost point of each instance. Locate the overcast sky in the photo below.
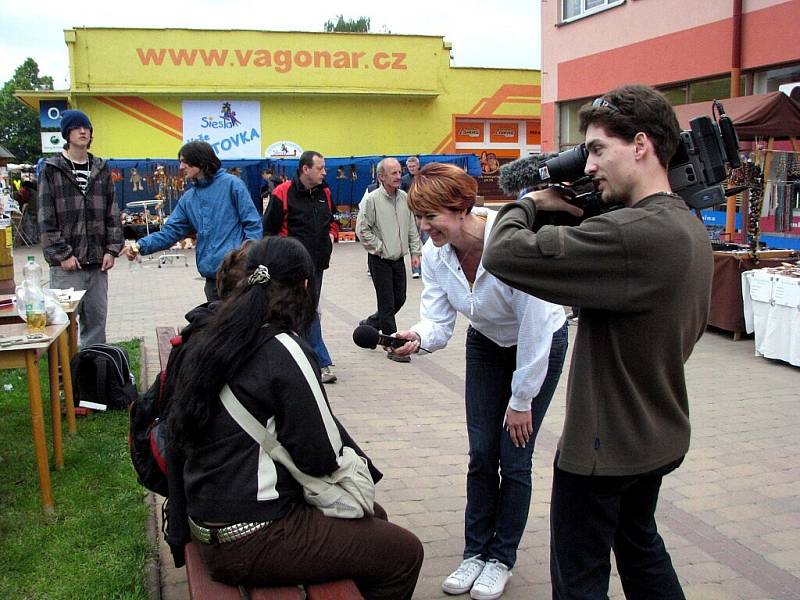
(503, 33)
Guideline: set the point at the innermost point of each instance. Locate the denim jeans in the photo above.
(590, 515)
(423, 237)
(499, 478)
(314, 334)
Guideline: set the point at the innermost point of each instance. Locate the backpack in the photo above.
(102, 378)
(146, 439)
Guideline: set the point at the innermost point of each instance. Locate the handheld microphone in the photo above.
(368, 337)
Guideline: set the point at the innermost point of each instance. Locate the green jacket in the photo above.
(642, 278)
(386, 226)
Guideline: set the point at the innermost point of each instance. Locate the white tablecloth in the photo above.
(772, 310)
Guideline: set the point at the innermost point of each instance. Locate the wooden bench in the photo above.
(202, 587)
(163, 337)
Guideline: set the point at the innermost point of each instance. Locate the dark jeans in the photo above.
(498, 500)
(210, 289)
(389, 279)
(589, 516)
(305, 546)
(314, 333)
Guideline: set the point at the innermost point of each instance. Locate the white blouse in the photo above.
(506, 316)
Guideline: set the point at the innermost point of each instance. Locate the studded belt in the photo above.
(222, 535)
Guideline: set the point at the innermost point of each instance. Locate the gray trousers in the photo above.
(94, 308)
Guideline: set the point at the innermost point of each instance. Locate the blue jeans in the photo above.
(498, 499)
(423, 237)
(314, 334)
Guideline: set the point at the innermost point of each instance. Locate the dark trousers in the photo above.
(307, 547)
(389, 279)
(210, 289)
(591, 515)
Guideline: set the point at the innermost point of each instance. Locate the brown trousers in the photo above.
(307, 547)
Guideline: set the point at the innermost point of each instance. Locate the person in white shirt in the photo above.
(515, 351)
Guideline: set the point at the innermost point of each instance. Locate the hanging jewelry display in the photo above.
(755, 181)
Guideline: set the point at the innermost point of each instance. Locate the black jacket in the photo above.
(306, 214)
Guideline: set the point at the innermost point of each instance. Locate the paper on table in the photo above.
(760, 289)
(786, 292)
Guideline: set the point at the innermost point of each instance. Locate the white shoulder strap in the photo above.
(311, 379)
(260, 434)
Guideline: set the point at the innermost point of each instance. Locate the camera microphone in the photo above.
(518, 175)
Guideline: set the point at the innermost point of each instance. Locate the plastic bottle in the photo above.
(35, 314)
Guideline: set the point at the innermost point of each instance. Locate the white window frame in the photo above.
(584, 12)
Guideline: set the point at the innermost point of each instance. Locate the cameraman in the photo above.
(642, 276)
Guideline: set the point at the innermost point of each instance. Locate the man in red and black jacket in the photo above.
(302, 208)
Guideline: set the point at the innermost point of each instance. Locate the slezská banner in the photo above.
(232, 127)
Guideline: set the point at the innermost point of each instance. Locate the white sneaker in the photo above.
(464, 576)
(492, 581)
(327, 375)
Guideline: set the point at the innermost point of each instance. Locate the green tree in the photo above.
(360, 25)
(19, 124)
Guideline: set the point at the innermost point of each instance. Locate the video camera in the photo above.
(696, 172)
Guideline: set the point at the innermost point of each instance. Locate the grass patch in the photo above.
(95, 545)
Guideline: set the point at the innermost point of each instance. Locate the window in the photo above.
(576, 9)
(568, 133)
(710, 89)
(770, 80)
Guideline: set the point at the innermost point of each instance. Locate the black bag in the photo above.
(102, 378)
(146, 436)
(146, 439)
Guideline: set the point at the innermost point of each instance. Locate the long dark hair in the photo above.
(200, 155)
(220, 348)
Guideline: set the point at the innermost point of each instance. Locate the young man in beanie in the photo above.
(79, 223)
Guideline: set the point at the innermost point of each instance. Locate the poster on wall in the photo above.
(50, 123)
(232, 127)
(51, 141)
(491, 161)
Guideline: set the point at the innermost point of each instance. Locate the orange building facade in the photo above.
(689, 50)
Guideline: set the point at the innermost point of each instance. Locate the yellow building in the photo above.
(343, 94)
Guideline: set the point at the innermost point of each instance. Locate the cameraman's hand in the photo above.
(551, 200)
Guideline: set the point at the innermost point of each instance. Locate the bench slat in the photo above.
(163, 336)
(282, 593)
(335, 590)
(201, 586)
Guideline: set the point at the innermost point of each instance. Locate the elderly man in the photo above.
(388, 231)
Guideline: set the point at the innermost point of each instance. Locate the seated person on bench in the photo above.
(265, 533)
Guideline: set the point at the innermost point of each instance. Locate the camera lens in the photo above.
(565, 166)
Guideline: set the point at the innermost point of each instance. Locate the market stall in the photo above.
(771, 122)
(348, 177)
(726, 311)
(771, 300)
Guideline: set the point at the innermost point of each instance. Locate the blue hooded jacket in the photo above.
(222, 214)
